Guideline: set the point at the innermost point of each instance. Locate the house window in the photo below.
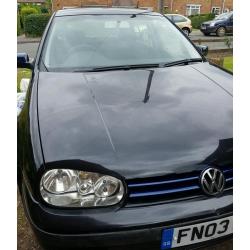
(215, 10)
(193, 9)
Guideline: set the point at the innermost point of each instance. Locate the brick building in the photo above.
(185, 7)
(191, 7)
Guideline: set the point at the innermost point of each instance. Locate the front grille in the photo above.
(204, 25)
(169, 187)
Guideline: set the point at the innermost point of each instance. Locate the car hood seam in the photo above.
(100, 113)
(216, 83)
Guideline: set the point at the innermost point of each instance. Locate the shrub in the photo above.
(35, 24)
(168, 11)
(19, 30)
(198, 19)
(25, 11)
(44, 10)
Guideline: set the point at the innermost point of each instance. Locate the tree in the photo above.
(161, 6)
(48, 5)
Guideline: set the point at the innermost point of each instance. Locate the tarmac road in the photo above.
(196, 34)
(30, 48)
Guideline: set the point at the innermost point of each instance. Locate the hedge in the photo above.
(44, 10)
(198, 19)
(25, 11)
(35, 24)
(19, 29)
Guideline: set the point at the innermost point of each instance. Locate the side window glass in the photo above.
(170, 18)
(179, 19)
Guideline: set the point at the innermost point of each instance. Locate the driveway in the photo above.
(213, 42)
(25, 237)
(30, 48)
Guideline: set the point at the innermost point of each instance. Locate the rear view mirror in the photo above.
(23, 61)
(203, 49)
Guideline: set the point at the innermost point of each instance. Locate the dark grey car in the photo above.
(125, 137)
(221, 25)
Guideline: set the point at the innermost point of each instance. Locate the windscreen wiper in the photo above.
(150, 77)
(183, 62)
(120, 67)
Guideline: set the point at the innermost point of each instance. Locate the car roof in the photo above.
(102, 11)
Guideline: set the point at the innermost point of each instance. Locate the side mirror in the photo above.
(23, 61)
(203, 49)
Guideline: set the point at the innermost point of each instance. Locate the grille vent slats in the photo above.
(174, 186)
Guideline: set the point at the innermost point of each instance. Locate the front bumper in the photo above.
(208, 29)
(139, 227)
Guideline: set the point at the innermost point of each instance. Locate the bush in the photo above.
(44, 10)
(19, 29)
(198, 19)
(168, 11)
(25, 11)
(35, 24)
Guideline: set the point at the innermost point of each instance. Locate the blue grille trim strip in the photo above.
(227, 171)
(192, 183)
(162, 182)
(170, 191)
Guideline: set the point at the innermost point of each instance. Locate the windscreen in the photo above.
(223, 16)
(90, 41)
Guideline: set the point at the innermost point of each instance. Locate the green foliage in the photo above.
(168, 11)
(198, 19)
(25, 11)
(48, 6)
(35, 24)
(22, 73)
(228, 63)
(228, 42)
(19, 29)
(44, 10)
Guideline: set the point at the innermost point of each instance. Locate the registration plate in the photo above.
(192, 234)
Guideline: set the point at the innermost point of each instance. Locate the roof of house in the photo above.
(31, 1)
(98, 11)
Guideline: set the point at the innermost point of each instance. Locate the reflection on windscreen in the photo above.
(87, 41)
(223, 16)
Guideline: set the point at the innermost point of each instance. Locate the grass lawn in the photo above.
(228, 63)
(22, 73)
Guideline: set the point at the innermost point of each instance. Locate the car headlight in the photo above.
(73, 188)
